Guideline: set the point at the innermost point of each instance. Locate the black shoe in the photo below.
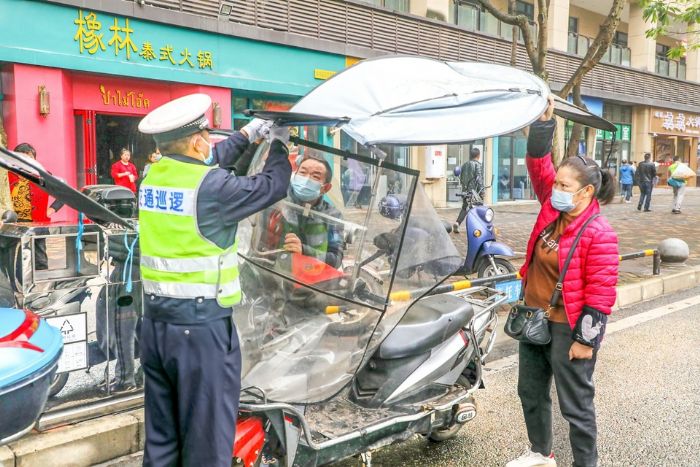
(676, 211)
(639, 208)
(455, 228)
(647, 210)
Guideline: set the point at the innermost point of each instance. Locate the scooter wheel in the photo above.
(486, 269)
(58, 383)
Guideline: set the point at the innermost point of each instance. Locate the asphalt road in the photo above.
(648, 400)
(648, 403)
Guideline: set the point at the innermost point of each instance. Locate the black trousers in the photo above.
(463, 212)
(575, 391)
(192, 386)
(645, 197)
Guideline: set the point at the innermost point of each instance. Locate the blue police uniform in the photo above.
(189, 347)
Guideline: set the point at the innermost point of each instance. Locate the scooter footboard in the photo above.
(296, 444)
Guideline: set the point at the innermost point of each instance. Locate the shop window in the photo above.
(617, 113)
(458, 154)
(243, 102)
(513, 180)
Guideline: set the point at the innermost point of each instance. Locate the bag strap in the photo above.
(559, 287)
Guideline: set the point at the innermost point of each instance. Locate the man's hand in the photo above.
(547, 115)
(579, 351)
(50, 212)
(132, 178)
(292, 243)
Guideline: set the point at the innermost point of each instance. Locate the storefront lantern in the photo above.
(44, 104)
(217, 115)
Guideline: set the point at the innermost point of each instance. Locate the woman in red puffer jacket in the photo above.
(569, 197)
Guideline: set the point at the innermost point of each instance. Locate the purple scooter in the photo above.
(485, 255)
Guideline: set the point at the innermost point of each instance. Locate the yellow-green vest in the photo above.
(176, 259)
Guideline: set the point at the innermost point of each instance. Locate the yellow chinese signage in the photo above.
(90, 37)
(669, 122)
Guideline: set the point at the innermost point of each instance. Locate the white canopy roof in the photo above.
(414, 100)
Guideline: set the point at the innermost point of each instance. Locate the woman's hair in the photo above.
(589, 173)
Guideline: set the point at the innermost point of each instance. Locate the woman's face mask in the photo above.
(563, 200)
(304, 188)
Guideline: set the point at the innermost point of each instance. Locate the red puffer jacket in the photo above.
(592, 274)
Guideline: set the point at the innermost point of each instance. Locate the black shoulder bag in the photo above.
(529, 324)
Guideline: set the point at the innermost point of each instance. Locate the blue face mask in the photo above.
(563, 200)
(304, 188)
(158, 157)
(209, 158)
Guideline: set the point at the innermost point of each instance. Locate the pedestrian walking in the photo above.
(678, 173)
(471, 178)
(570, 199)
(189, 209)
(645, 178)
(626, 180)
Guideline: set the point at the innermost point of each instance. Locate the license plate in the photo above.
(511, 289)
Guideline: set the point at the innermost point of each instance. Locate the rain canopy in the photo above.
(422, 101)
(309, 319)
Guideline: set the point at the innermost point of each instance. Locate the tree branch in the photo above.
(542, 33)
(522, 22)
(597, 49)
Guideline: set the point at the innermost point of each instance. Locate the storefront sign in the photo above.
(117, 98)
(323, 74)
(623, 133)
(669, 122)
(92, 39)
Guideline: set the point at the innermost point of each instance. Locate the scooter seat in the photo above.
(428, 323)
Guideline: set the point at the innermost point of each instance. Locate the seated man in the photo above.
(306, 233)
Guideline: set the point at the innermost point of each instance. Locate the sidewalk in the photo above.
(636, 230)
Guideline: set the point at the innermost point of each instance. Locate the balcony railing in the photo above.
(615, 55)
(670, 68)
(474, 18)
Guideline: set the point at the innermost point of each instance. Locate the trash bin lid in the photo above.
(27, 344)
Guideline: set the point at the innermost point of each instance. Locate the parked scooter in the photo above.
(485, 255)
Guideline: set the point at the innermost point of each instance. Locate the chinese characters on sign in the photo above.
(675, 123)
(167, 200)
(91, 39)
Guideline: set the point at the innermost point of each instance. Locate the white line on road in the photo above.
(506, 363)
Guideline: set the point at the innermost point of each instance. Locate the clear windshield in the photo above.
(320, 278)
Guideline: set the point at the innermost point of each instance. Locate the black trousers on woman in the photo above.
(574, 384)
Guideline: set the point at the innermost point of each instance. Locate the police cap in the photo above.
(181, 117)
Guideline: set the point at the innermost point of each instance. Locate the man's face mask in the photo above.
(210, 158)
(304, 188)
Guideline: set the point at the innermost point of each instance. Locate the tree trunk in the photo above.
(572, 148)
(514, 32)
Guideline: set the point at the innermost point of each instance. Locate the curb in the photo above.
(629, 294)
(82, 444)
(110, 437)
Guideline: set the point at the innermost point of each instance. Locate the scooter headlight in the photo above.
(488, 215)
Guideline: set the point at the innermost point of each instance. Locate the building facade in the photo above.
(267, 54)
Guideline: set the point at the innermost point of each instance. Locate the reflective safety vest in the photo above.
(176, 259)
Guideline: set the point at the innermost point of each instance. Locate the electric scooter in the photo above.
(485, 255)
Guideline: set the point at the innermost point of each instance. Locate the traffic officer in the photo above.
(189, 209)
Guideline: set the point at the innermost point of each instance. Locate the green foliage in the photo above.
(663, 14)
